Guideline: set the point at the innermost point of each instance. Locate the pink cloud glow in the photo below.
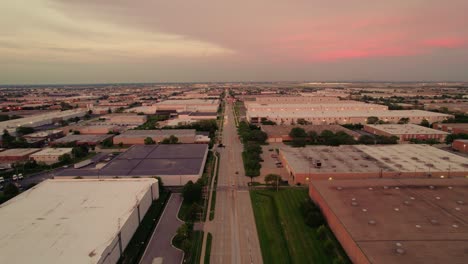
(448, 43)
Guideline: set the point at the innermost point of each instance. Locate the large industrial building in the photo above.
(454, 128)
(50, 155)
(125, 119)
(390, 221)
(460, 145)
(370, 161)
(137, 137)
(176, 164)
(191, 105)
(40, 119)
(406, 132)
(16, 155)
(90, 140)
(74, 221)
(287, 110)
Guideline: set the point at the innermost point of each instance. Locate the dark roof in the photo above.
(151, 160)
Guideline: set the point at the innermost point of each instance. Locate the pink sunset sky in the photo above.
(61, 41)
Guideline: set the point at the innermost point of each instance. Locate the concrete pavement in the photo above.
(235, 238)
(160, 244)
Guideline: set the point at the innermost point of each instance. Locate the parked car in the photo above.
(20, 176)
(15, 177)
(2, 180)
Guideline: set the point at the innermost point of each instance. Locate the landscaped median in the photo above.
(190, 242)
(283, 233)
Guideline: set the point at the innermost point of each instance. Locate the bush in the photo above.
(328, 246)
(192, 192)
(322, 232)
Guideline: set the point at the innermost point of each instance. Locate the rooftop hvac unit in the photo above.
(318, 164)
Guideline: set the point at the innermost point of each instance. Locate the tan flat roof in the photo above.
(424, 219)
(52, 152)
(403, 129)
(362, 114)
(19, 152)
(373, 158)
(67, 221)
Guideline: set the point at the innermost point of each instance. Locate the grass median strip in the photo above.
(213, 198)
(209, 240)
(283, 233)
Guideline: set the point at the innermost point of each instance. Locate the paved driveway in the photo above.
(160, 242)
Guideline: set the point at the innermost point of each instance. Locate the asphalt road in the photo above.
(160, 243)
(42, 176)
(235, 238)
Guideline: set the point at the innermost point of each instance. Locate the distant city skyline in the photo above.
(108, 41)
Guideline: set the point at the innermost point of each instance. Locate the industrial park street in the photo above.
(234, 231)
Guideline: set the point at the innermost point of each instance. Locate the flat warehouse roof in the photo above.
(52, 151)
(19, 152)
(157, 133)
(401, 221)
(363, 114)
(67, 221)
(403, 129)
(171, 159)
(82, 138)
(189, 101)
(373, 158)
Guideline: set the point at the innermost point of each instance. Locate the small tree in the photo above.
(192, 192)
(149, 141)
(425, 123)
(170, 140)
(297, 132)
(65, 158)
(273, 180)
(403, 120)
(107, 143)
(372, 120)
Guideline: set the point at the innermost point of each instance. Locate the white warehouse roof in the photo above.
(67, 221)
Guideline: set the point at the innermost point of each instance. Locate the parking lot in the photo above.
(271, 163)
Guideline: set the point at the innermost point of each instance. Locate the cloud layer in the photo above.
(147, 40)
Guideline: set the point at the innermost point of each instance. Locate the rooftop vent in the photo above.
(400, 251)
(372, 222)
(434, 222)
(460, 202)
(418, 226)
(354, 203)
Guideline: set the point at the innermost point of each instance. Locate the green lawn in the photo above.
(284, 236)
(197, 242)
(213, 198)
(209, 239)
